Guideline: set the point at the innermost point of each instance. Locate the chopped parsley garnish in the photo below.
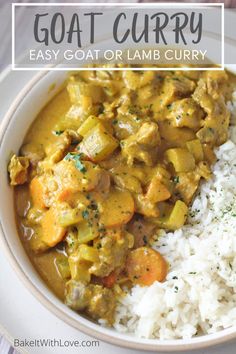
(134, 109)
(102, 229)
(149, 106)
(58, 132)
(93, 205)
(85, 214)
(210, 129)
(145, 240)
(175, 179)
(194, 212)
(100, 109)
(176, 289)
(76, 158)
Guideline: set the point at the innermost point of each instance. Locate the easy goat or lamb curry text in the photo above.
(112, 159)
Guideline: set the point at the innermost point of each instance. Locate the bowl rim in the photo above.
(88, 327)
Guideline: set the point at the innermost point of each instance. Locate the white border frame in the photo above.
(171, 4)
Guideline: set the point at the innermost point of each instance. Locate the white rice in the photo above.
(199, 294)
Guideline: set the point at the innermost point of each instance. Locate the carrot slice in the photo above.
(109, 280)
(65, 195)
(144, 266)
(37, 192)
(117, 209)
(52, 231)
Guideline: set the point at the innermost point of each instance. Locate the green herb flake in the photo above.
(85, 214)
(145, 240)
(100, 109)
(76, 158)
(175, 179)
(58, 132)
(80, 166)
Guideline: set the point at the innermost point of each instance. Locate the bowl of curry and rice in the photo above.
(119, 202)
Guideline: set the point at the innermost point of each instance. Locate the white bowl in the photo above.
(13, 129)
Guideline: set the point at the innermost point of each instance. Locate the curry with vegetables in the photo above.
(112, 159)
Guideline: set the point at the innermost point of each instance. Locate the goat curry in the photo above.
(112, 159)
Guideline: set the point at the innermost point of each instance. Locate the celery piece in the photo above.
(86, 232)
(182, 159)
(175, 218)
(195, 147)
(69, 217)
(77, 89)
(87, 125)
(98, 143)
(89, 253)
(62, 266)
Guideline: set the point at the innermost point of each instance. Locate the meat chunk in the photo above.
(56, 151)
(215, 81)
(78, 295)
(145, 207)
(209, 94)
(34, 152)
(185, 113)
(157, 191)
(176, 87)
(18, 170)
(202, 97)
(104, 183)
(127, 181)
(73, 175)
(210, 89)
(113, 248)
(215, 129)
(142, 231)
(139, 146)
(148, 134)
(136, 80)
(186, 185)
(204, 170)
(97, 301)
(102, 303)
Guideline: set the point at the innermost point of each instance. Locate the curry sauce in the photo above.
(112, 159)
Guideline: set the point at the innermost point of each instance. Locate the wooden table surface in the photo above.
(5, 59)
